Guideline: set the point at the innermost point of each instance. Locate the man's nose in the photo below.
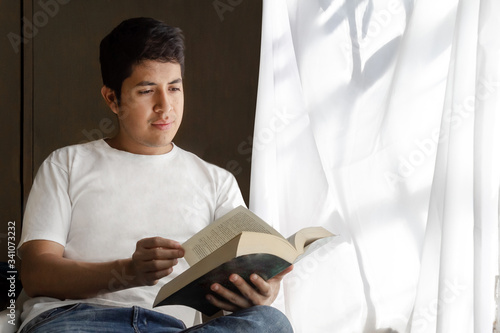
(163, 103)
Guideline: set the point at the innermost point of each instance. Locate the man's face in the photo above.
(150, 109)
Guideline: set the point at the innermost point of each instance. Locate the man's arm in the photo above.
(45, 272)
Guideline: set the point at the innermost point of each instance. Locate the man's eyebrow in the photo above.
(145, 83)
(179, 80)
(149, 83)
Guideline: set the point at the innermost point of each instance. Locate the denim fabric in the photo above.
(259, 319)
(95, 318)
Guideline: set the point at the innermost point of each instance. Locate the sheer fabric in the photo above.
(380, 121)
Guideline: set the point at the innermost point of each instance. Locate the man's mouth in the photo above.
(162, 124)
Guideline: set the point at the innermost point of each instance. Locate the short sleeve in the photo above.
(229, 196)
(48, 210)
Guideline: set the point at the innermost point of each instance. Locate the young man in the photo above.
(105, 220)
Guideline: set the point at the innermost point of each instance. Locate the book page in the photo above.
(314, 246)
(306, 236)
(223, 230)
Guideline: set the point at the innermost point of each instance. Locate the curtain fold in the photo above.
(378, 120)
(487, 162)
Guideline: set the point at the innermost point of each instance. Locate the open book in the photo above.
(239, 242)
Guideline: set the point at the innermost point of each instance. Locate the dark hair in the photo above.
(133, 41)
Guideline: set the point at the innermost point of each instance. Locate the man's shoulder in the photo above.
(193, 157)
(196, 160)
(64, 155)
(77, 148)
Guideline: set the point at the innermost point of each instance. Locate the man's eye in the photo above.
(175, 89)
(144, 92)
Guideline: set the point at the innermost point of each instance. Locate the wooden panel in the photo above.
(10, 126)
(30, 30)
(222, 59)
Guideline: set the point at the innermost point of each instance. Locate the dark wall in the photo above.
(10, 124)
(61, 102)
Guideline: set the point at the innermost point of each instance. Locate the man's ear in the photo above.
(109, 96)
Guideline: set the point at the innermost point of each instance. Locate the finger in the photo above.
(156, 265)
(262, 286)
(157, 253)
(152, 278)
(152, 242)
(282, 274)
(221, 304)
(249, 292)
(230, 296)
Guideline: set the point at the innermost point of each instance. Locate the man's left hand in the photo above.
(261, 293)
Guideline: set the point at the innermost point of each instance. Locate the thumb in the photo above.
(282, 274)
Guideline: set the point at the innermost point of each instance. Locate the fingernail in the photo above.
(215, 287)
(253, 277)
(233, 278)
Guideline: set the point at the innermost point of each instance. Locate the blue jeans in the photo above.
(83, 317)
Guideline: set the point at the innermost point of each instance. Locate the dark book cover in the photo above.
(193, 295)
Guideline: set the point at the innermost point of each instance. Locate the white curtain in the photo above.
(380, 120)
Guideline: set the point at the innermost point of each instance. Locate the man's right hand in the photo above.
(153, 259)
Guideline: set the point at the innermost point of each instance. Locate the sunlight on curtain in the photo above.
(378, 120)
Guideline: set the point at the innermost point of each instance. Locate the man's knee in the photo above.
(274, 318)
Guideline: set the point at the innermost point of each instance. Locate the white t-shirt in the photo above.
(98, 201)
